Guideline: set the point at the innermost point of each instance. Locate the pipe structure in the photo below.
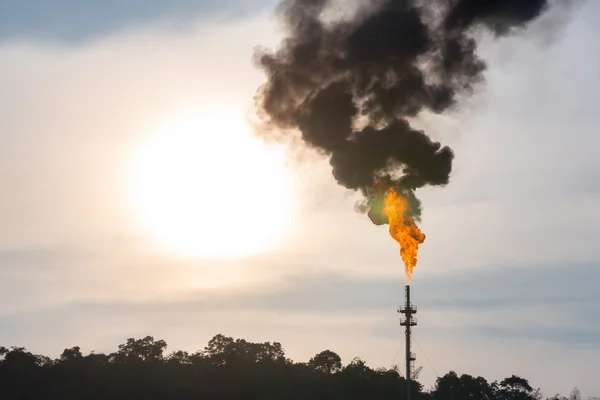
(408, 322)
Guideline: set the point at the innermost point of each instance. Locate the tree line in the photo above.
(229, 368)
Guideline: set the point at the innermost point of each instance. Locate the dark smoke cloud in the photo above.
(350, 86)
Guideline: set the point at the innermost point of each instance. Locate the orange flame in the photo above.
(403, 229)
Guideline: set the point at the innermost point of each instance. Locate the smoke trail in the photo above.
(350, 85)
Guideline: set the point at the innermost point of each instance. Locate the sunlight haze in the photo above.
(138, 200)
(207, 188)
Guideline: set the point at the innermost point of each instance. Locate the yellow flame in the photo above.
(403, 229)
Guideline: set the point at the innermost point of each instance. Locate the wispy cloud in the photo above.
(76, 22)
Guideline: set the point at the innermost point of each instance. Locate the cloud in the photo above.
(73, 117)
(505, 282)
(78, 21)
(472, 300)
(465, 320)
(573, 337)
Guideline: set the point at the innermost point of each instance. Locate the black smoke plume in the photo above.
(350, 85)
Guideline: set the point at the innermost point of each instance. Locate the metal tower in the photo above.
(408, 322)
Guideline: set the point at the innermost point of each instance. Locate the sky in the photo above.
(506, 280)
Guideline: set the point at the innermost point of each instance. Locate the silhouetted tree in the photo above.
(228, 368)
(72, 354)
(416, 373)
(575, 394)
(326, 361)
(514, 388)
(146, 349)
(453, 387)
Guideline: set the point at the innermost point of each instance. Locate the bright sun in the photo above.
(205, 187)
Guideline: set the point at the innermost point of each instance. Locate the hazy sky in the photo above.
(507, 277)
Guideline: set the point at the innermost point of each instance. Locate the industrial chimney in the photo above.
(407, 322)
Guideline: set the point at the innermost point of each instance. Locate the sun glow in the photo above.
(205, 187)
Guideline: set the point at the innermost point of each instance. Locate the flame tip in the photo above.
(403, 228)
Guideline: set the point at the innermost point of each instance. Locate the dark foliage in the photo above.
(227, 368)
